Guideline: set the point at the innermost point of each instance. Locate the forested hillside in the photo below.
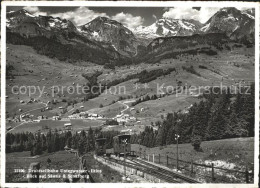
(219, 115)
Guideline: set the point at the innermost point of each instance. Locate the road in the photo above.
(124, 103)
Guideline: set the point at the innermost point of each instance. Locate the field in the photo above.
(109, 111)
(77, 125)
(59, 160)
(22, 160)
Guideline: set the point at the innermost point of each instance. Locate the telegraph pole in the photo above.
(125, 143)
(124, 160)
(177, 138)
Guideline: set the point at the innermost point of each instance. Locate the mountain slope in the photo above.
(55, 37)
(28, 25)
(112, 32)
(234, 23)
(106, 41)
(238, 25)
(168, 27)
(172, 47)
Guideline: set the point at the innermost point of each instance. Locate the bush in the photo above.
(203, 67)
(196, 141)
(111, 122)
(191, 70)
(109, 66)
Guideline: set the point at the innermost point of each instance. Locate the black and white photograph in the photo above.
(114, 92)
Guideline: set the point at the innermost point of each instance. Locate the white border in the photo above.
(126, 4)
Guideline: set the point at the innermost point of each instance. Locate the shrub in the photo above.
(203, 67)
(196, 141)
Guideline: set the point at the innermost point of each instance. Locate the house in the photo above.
(67, 129)
(126, 116)
(67, 125)
(56, 118)
(67, 148)
(132, 118)
(93, 115)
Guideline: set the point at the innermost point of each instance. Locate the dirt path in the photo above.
(125, 104)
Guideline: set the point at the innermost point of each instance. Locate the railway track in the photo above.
(169, 173)
(158, 172)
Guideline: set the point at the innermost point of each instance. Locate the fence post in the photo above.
(247, 178)
(167, 160)
(153, 158)
(191, 166)
(159, 158)
(212, 172)
(177, 162)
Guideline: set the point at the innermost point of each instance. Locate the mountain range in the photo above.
(103, 40)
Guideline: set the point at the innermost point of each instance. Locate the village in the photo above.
(68, 117)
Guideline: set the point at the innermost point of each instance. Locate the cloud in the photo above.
(83, 15)
(80, 16)
(206, 13)
(181, 13)
(201, 15)
(35, 11)
(128, 20)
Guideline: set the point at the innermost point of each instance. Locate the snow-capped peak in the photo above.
(248, 15)
(168, 27)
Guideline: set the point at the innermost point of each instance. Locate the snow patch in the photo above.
(205, 28)
(52, 24)
(95, 34)
(184, 26)
(64, 25)
(108, 24)
(250, 16)
(29, 15)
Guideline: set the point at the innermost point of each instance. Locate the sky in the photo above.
(131, 17)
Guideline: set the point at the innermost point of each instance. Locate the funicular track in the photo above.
(158, 172)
